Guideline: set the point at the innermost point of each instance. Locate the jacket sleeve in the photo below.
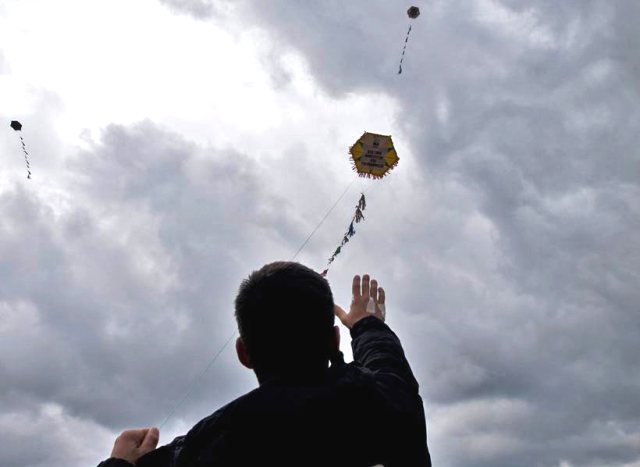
(113, 462)
(378, 349)
(164, 456)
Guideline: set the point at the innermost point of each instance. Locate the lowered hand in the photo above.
(131, 445)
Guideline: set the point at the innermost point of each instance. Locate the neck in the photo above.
(302, 374)
(294, 376)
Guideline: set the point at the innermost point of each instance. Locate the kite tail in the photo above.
(26, 157)
(357, 217)
(406, 39)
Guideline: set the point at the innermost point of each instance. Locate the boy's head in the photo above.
(285, 316)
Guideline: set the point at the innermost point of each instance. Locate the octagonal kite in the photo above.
(413, 12)
(373, 155)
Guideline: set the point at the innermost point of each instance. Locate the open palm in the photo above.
(367, 299)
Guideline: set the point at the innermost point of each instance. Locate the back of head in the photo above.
(285, 317)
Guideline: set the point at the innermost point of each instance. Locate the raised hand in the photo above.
(367, 299)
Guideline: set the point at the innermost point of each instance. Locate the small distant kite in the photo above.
(412, 13)
(17, 126)
(373, 156)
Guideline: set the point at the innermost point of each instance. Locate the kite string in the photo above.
(199, 378)
(324, 218)
(406, 39)
(195, 382)
(357, 218)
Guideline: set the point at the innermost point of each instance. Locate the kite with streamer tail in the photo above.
(373, 156)
(412, 13)
(17, 126)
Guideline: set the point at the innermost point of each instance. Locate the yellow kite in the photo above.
(373, 155)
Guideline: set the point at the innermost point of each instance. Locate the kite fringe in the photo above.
(372, 176)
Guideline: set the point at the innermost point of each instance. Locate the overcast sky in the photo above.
(176, 145)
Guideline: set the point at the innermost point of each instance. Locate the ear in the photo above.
(335, 340)
(243, 355)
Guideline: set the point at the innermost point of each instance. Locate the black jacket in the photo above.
(365, 413)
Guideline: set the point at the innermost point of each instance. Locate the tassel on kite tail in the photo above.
(362, 203)
(406, 39)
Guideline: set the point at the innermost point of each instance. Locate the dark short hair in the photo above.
(285, 316)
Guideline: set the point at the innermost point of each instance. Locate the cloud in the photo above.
(56, 434)
(519, 260)
(197, 8)
(4, 67)
(106, 292)
(202, 9)
(505, 238)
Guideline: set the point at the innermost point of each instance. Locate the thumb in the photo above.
(150, 440)
(341, 314)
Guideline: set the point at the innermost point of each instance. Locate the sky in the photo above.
(177, 145)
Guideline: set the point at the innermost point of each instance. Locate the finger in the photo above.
(340, 313)
(150, 440)
(381, 296)
(365, 286)
(355, 287)
(374, 290)
(134, 436)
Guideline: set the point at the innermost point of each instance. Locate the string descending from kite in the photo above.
(323, 219)
(26, 157)
(196, 381)
(406, 39)
(358, 217)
